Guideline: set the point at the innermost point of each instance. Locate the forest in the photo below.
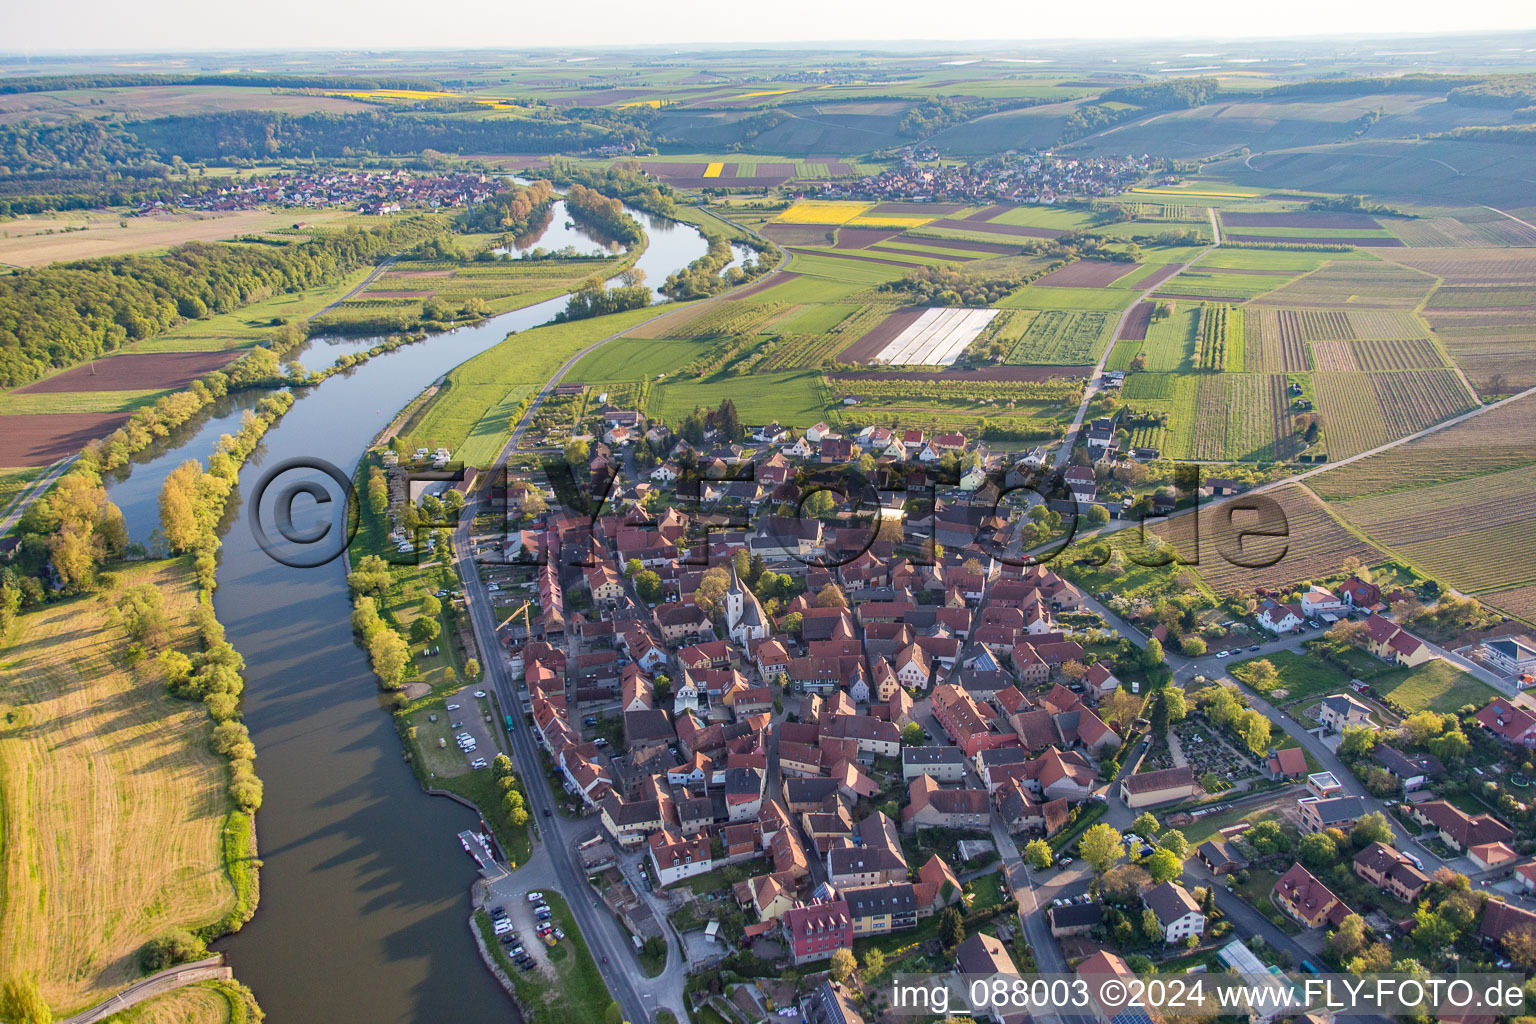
(259, 134)
(56, 316)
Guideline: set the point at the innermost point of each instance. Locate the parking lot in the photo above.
(525, 927)
(462, 714)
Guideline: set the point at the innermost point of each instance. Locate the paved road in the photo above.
(154, 985)
(1092, 387)
(39, 487)
(372, 277)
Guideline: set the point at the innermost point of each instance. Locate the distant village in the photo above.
(369, 192)
(1033, 178)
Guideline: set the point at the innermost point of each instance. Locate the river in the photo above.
(364, 887)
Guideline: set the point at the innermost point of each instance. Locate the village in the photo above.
(800, 738)
(369, 192)
(1020, 178)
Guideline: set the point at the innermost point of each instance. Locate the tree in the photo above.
(831, 596)
(1317, 851)
(874, 963)
(1423, 726)
(1450, 746)
(370, 577)
(951, 928)
(1357, 741)
(178, 946)
(472, 668)
(1348, 939)
(1073, 670)
(1254, 730)
(1371, 828)
(21, 1002)
(843, 965)
(648, 585)
(1097, 515)
(1174, 841)
(1266, 838)
(1100, 846)
(1193, 646)
(712, 587)
(1151, 927)
(178, 517)
(1175, 706)
(1145, 825)
(1038, 853)
(389, 653)
(1152, 654)
(424, 630)
(577, 452)
(1261, 675)
(1164, 866)
(1431, 932)
(912, 734)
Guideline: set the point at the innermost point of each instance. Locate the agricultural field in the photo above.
(1276, 343)
(1374, 284)
(480, 394)
(1472, 534)
(116, 803)
(1038, 296)
(1061, 337)
(797, 397)
(1205, 282)
(1219, 338)
(1363, 410)
(205, 1002)
(1242, 417)
(1500, 439)
(1315, 543)
(1170, 343)
(32, 241)
(936, 337)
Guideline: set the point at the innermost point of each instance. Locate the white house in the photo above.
(973, 478)
(676, 857)
(685, 695)
(1320, 601)
(817, 433)
(1176, 911)
(802, 448)
(665, 473)
(1279, 618)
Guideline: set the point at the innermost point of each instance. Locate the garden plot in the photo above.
(936, 338)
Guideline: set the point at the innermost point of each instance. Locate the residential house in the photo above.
(1220, 856)
(1340, 812)
(1513, 655)
(816, 931)
(933, 807)
(1307, 900)
(1395, 645)
(1176, 911)
(1339, 710)
(1145, 789)
(675, 857)
(1075, 919)
(942, 763)
(1412, 771)
(1280, 618)
(1391, 871)
(1458, 829)
(1512, 725)
(878, 909)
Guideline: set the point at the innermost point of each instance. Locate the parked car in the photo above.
(453, 707)
(535, 897)
(480, 694)
(479, 764)
(1223, 654)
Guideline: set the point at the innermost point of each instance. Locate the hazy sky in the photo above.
(161, 25)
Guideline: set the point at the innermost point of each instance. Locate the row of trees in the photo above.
(604, 214)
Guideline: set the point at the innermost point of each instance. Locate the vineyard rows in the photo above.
(1316, 545)
(1363, 410)
(720, 319)
(1491, 442)
(1242, 417)
(1314, 325)
(1385, 324)
(1270, 350)
(798, 351)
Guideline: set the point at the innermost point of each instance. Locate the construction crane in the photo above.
(524, 611)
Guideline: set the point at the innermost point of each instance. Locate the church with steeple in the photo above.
(744, 618)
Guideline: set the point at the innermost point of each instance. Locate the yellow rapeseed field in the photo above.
(765, 92)
(713, 170)
(822, 211)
